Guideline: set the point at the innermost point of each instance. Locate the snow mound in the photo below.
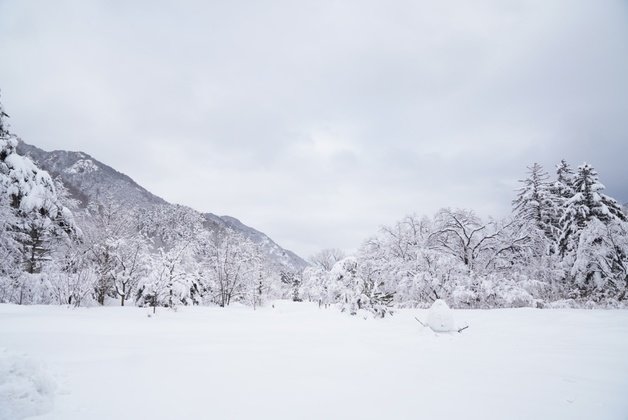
(440, 318)
(26, 389)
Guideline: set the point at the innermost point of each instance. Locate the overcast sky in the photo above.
(317, 121)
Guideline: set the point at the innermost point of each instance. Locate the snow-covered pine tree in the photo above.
(9, 247)
(4, 126)
(563, 186)
(39, 219)
(587, 203)
(535, 203)
(561, 190)
(592, 229)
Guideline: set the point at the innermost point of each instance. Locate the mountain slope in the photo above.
(87, 179)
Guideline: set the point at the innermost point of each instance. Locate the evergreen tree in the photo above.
(9, 246)
(535, 204)
(600, 268)
(561, 190)
(39, 218)
(563, 187)
(592, 226)
(586, 204)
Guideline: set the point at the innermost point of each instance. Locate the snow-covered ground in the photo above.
(295, 361)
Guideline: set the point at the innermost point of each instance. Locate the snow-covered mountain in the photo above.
(87, 179)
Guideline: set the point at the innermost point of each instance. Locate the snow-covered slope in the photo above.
(87, 179)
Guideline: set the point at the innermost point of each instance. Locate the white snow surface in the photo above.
(296, 361)
(26, 389)
(440, 317)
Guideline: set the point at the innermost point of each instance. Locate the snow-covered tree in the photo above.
(10, 255)
(462, 234)
(326, 258)
(600, 269)
(587, 203)
(170, 226)
(314, 286)
(171, 280)
(536, 204)
(118, 250)
(40, 219)
(34, 223)
(561, 190)
(72, 277)
(293, 281)
(592, 226)
(355, 292)
(346, 285)
(229, 263)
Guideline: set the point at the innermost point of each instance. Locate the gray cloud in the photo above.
(317, 121)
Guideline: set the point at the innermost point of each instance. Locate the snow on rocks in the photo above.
(26, 389)
(82, 166)
(440, 318)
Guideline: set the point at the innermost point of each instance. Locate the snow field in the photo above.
(295, 361)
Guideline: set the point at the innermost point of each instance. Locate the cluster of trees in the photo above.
(565, 242)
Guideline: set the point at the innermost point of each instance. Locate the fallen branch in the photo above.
(462, 329)
(419, 321)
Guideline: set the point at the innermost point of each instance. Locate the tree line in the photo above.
(565, 244)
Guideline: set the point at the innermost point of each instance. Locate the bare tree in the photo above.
(326, 258)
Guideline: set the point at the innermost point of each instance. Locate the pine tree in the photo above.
(40, 218)
(9, 247)
(586, 204)
(563, 187)
(535, 204)
(600, 268)
(561, 190)
(590, 217)
(4, 127)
